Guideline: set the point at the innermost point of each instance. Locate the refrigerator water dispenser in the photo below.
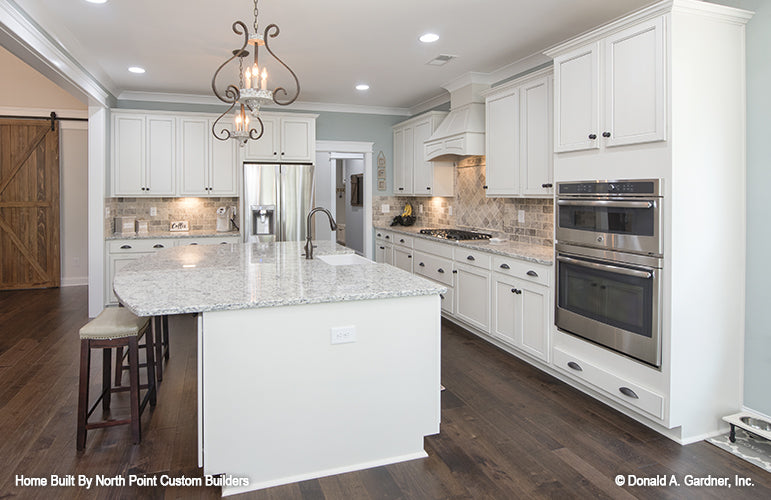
(263, 223)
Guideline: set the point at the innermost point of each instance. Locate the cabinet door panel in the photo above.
(408, 164)
(576, 100)
(399, 182)
(472, 296)
(503, 145)
(403, 258)
(194, 147)
(128, 155)
(635, 95)
(296, 139)
(505, 312)
(423, 173)
(266, 148)
(535, 146)
(534, 320)
(223, 169)
(161, 165)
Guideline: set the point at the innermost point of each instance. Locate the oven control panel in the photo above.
(621, 188)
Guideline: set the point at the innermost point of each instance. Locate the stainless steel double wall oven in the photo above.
(609, 255)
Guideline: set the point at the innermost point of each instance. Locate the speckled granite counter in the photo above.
(531, 253)
(175, 234)
(243, 276)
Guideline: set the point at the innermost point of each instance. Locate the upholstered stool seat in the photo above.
(115, 327)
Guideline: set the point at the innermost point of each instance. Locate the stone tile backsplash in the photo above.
(199, 212)
(473, 210)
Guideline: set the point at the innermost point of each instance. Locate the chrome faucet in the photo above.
(332, 226)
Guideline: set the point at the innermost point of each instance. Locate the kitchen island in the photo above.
(305, 368)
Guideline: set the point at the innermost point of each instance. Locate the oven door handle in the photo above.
(606, 267)
(606, 203)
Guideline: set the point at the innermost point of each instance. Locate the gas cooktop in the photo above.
(455, 234)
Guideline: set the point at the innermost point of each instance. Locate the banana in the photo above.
(407, 210)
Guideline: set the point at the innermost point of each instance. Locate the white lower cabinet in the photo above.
(521, 313)
(472, 296)
(384, 250)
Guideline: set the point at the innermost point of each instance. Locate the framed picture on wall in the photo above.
(357, 189)
(381, 185)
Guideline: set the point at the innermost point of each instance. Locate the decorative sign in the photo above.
(179, 225)
(381, 172)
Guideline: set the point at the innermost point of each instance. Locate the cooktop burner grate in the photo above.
(455, 234)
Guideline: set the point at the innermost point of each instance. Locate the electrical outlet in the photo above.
(153, 211)
(421, 208)
(521, 216)
(385, 208)
(342, 334)
(106, 212)
(449, 210)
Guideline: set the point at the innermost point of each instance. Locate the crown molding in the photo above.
(28, 41)
(429, 104)
(518, 67)
(298, 105)
(467, 79)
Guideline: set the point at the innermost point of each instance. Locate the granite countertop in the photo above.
(200, 233)
(538, 254)
(242, 276)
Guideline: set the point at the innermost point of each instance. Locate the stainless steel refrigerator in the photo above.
(277, 199)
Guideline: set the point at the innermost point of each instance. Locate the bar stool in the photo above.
(160, 325)
(115, 327)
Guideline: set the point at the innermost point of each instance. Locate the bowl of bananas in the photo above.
(406, 218)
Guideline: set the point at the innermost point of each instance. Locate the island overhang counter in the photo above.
(305, 369)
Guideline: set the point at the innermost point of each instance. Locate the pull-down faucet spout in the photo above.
(308, 243)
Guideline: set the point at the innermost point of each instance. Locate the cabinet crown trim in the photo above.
(505, 88)
(420, 117)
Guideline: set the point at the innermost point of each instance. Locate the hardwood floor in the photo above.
(508, 430)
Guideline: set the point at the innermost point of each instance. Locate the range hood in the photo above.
(462, 133)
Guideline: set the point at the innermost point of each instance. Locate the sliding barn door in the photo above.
(29, 204)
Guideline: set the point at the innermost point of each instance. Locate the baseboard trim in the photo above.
(75, 281)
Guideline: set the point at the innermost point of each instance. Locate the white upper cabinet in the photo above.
(207, 165)
(576, 103)
(143, 160)
(519, 137)
(612, 92)
(635, 97)
(412, 173)
(289, 137)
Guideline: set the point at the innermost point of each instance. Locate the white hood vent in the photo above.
(462, 133)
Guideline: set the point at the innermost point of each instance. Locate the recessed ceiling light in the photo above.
(362, 86)
(96, 1)
(137, 70)
(429, 38)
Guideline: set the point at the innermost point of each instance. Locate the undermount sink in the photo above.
(348, 259)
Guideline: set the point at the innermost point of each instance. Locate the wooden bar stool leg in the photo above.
(157, 340)
(85, 367)
(106, 378)
(166, 337)
(118, 366)
(152, 384)
(136, 430)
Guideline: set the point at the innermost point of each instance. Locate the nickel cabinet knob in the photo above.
(606, 134)
(592, 136)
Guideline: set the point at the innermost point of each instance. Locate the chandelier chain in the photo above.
(256, 14)
(241, 72)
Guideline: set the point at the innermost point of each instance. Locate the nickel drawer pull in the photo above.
(505, 266)
(440, 270)
(193, 243)
(626, 391)
(125, 247)
(606, 267)
(532, 273)
(401, 240)
(470, 257)
(575, 366)
(158, 245)
(422, 265)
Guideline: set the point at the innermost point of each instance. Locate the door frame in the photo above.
(362, 148)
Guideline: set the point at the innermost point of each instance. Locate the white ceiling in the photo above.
(332, 45)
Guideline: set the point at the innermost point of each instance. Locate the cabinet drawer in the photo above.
(383, 235)
(433, 267)
(434, 247)
(402, 240)
(134, 246)
(473, 258)
(208, 241)
(614, 386)
(536, 273)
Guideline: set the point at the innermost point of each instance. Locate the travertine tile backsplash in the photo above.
(473, 210)
(199, 212)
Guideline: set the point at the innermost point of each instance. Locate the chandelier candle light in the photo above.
(250, 94)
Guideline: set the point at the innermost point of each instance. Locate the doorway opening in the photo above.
(344, 187)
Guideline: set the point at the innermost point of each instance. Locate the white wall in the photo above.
(73, 154)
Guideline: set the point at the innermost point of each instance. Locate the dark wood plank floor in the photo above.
(508, 430)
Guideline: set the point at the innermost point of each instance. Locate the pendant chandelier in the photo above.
(252, 90)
